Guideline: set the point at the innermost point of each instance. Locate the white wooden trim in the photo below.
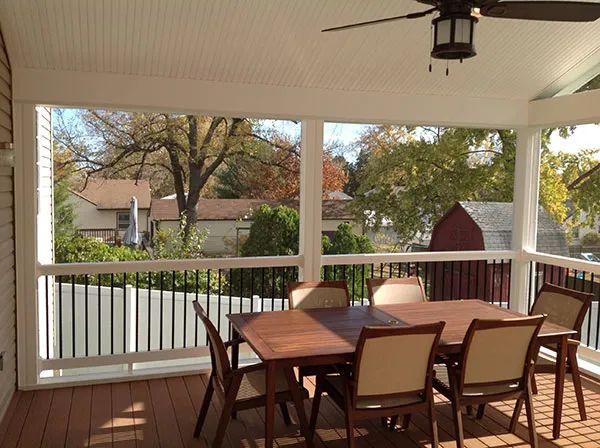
(525, 212)
(565, 262)
(167, 265)
(127, 92)
(578, 108)
(311, 193)
(417, 257)
(123, 358)
(25, 242)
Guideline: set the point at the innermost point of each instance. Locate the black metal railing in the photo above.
(106, 314)
(487, 280)
(574, 279)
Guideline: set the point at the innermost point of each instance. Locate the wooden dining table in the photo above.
(295, 338)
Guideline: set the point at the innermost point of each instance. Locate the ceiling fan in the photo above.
(453, 27)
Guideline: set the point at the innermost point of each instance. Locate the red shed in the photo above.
(483, 226)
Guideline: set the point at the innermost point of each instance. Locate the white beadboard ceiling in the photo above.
(278, 43)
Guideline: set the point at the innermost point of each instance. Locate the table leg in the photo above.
(270, 404)
(235, 350)
(299, 404)
(559, 385)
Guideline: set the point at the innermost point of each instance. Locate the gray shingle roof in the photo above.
(495, 221)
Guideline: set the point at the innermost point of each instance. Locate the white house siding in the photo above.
(7, 243)
(222, 236)
(87, 216)
(44, 217)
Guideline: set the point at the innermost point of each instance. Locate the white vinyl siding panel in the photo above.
(7, 242)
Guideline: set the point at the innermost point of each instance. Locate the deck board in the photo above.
(162, 413)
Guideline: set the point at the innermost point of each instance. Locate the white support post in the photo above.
(311, 192)
(525, 213)
(25, 232)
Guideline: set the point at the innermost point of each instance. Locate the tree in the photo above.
(591, 239)
(345, 241)
(274, 173)
(274, 231)
(189, 148)
(413, 176)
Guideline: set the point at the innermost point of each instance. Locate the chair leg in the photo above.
(315, 405)
(533, 438)
(456, 414)
(349, 423)
(480, 411)
(286, 415)
(405, 421)
(512, 427)
(226, 412)
(433, 424)
(574, 365)
(534, 388)
(204, 408)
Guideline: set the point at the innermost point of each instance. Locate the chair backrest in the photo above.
(499, 351)
(563, 306)
(392, 362)
(218, 352)
(307, 295)
(385, 291)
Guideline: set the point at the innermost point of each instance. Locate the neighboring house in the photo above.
(102, 207)
(228, 220)
(484, 226)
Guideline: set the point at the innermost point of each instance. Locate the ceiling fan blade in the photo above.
(559, 11)
(414, 15)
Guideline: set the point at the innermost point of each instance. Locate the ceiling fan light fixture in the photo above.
(453, 36)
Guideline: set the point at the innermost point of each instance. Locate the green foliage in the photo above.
(79, 249)
(345, 241)
(591, 239)
(64, 213)
(412, 178)
(274, 231)
(180, 243)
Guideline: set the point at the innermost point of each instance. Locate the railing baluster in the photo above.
(501, 283)
(509, 282)
(207, 298)
(87, 323)
(124, 313)
(230, 299)
(185, 292)
(362, 284)
(353, 281)
(273, 289)
(219, 302)
(251, 290)
(196, 318)
(160, 316)
(137, 312)
(149, 310)
(262, 289)
(47, 318)
(99, 314)
(173, 283)
(112, 314)
(60, 318)
(73, 335)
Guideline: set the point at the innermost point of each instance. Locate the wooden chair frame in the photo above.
(523, 394)
(573, 344)
(226, 382)
(375, 282)
(348, 401)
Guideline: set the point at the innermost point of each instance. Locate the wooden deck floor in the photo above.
(162, 413)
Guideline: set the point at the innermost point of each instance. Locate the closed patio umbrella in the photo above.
(131, 236)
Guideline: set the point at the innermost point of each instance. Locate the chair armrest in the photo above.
(248, 369)
(233, 342)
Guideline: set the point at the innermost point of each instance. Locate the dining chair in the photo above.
(326, 294)
(495, 364)
(386, 291)
(391, 375)
(238, 389)
(313, 295)
(565, 307)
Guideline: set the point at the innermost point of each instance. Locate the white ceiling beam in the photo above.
(79, 89)
(578, 108)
